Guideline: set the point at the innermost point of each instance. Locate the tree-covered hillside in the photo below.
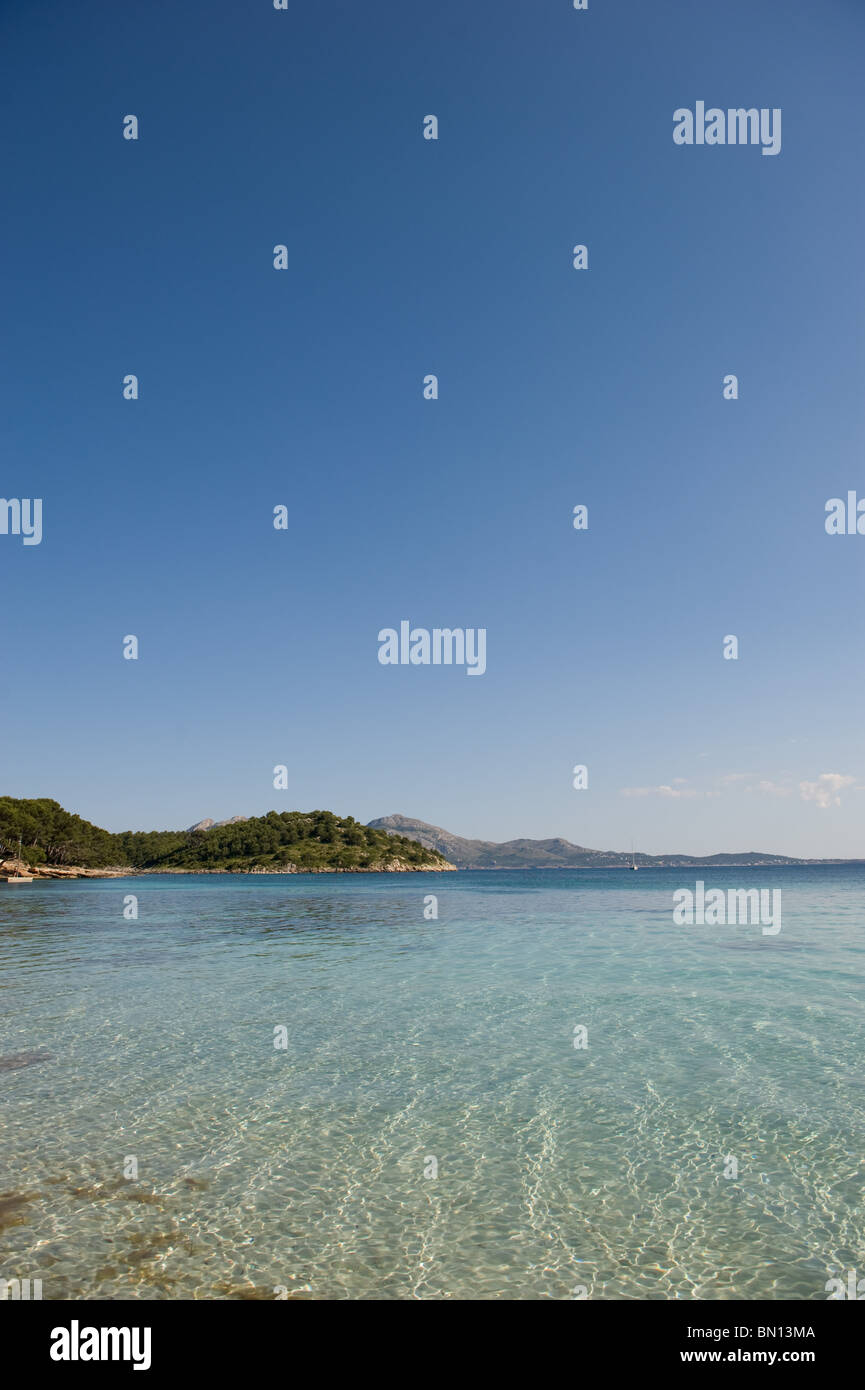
(308, 840)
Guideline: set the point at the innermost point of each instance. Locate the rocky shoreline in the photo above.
(19, 866)
(390, 866)
(71, 871)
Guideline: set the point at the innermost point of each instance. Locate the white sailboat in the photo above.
(17, 877)
(634, 865)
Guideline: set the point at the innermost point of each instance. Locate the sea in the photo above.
(467, 1086)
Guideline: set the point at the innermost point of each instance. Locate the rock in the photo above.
(212, 824)
(15, 866)
(14, 1061)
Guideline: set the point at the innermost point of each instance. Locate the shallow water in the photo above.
(303, 1169)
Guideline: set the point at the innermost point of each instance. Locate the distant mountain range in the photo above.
(558, 854)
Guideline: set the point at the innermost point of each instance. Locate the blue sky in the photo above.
(304, 387)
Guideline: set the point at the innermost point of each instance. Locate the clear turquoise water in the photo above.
(304, 1168)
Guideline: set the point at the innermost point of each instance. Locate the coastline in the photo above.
(46, 872)
(67, 874)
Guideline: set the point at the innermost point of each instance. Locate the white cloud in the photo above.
(825, 790)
